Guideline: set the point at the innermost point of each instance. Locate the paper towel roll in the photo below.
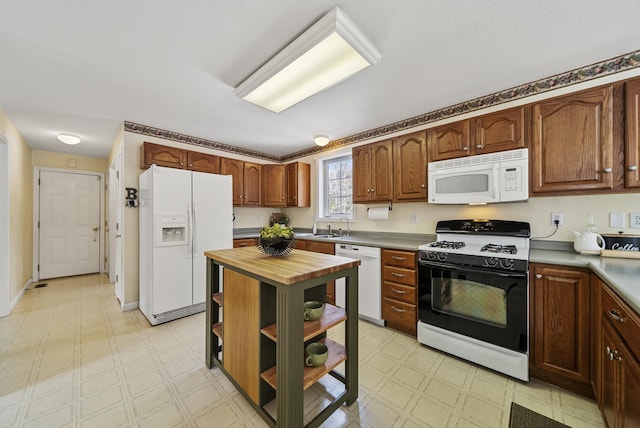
(378, 213)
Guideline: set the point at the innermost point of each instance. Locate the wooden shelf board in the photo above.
(217, 297)
(331, 316)
(217, 329)
(337, 354)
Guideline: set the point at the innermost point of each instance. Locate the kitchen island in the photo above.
(260, 343)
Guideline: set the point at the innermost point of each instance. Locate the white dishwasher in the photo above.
(369, 281)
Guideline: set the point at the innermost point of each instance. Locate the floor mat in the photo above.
(521, 417)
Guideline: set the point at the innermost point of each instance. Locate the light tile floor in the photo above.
(70, 357)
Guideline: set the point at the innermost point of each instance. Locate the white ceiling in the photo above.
(85, 66)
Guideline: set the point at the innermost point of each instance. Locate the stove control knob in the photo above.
(442, 256)
(506, 263)
(491, 261)
(431, 255)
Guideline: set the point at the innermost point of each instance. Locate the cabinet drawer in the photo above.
(399, 275)
(623, 318)
(399, 292)
(248, 242)
(405, 259)
(399, 315)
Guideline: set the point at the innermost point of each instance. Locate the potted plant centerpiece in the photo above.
(276, 240)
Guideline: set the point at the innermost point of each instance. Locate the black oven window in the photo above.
(471, 300)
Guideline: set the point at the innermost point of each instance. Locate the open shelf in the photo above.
(217, 329)
(331, 316)
(217, 297)
(337, 354)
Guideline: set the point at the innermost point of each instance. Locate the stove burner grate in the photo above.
(496, 248)
(447, 244)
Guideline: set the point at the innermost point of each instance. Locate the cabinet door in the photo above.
(298, 184)
(273, 187)
(361, 158)
(235, 169)
(382, 171)
(203, 162)
(449, 141)
(503, 130)
(410, 167)
(252, 184)
(632, 143)
(608, 373)
(160, 155)
(629, 388)
(561, 330)
(573, 142)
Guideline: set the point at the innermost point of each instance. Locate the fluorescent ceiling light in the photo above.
(330, 51)
(69, 139)
(321, 140)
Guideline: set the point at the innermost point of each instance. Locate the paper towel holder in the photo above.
(390, 206)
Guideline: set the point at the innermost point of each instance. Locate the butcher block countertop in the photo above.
(294, 268)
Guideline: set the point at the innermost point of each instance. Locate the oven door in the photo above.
(488, 305)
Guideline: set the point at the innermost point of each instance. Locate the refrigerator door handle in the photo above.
(189, 232)
(193, 235)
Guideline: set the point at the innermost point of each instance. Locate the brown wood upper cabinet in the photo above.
(160, 155)
(494, 132)
(373, 172)
(203, 162)
(573, 142)
(273, 185)
(632, 143)
(561, 328)
(298, 184)
(410, 167)
(247, 180)
(174, 157)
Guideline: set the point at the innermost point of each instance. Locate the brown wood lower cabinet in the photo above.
(618, 362)
(399, 295)
(244, 242)
(560, 327)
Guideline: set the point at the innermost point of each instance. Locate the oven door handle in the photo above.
(464, 269)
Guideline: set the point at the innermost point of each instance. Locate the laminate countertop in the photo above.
(622, 275)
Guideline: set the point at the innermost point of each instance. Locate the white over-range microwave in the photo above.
(489, 178)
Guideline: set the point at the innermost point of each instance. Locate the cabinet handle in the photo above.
(398, 275)
(190, 164)
(538, 276)
(616, 316)
(181, 163)
(398, 310)
(242, 244)
(606, 170)
(423, 185)
(466, 149)
(395, 290)
(632, 167)
(478, 146)
(398, 258)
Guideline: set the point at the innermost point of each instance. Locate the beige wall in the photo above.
(20, 207)
(48, 159)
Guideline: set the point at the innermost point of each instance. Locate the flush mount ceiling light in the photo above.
(69, 139)
(321, 140)
(330, 51)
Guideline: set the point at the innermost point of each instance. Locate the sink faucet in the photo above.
(329, 228)
(346, 218)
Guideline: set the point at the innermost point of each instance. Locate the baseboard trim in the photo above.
(130, 306)
(16, 299)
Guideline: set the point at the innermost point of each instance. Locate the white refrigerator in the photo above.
(182, 215)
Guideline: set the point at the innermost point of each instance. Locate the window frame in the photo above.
(322, 188)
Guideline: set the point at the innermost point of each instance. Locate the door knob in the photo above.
(118, 236)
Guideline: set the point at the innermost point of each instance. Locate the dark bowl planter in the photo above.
(275, 246)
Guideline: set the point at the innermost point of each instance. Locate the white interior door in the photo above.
(116, 234)
(112, 195)
(69, 224)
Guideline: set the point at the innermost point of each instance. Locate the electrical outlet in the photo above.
(634, 220)
(557, 217)
(414, 218)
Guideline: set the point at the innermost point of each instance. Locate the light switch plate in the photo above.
(616, 219)
(634, 220)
